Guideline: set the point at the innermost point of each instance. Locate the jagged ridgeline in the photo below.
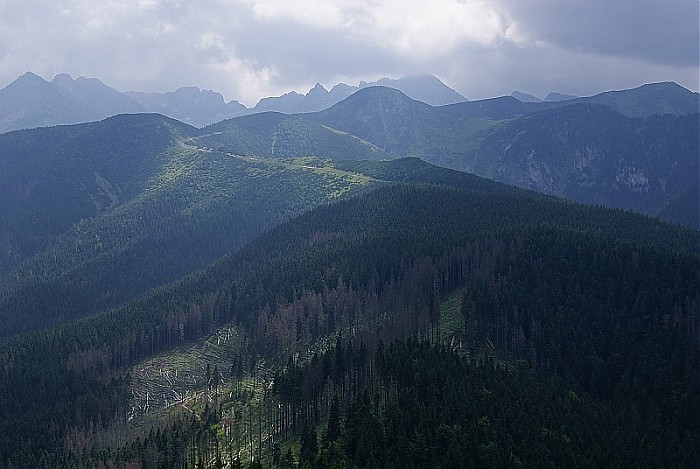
(574, 329)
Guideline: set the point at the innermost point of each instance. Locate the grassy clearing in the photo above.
(336, 182)
(451, 319)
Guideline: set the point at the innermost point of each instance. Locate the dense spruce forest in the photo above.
(460, 321)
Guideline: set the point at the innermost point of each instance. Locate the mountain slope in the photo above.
(99, 213)
(278, 135)
(588, 153)
(649, 99)
(53, 178)
(594, 155)
(384, 116)
(640, 163)
(590, 319)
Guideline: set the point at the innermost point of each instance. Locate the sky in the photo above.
(250, 49)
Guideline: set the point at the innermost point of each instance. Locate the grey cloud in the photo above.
(301, 53)
(657, 31)
(572, 46)
(483, 74)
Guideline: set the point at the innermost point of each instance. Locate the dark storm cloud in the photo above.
(664, 32)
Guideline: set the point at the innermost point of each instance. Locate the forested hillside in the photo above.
(54, 177)
(96, 214)
(563, 335)
(288, 291)
(633, 149)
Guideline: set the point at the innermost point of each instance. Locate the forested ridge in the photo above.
(133, 194)
(172, 230)
(61, 175)
(574, 342)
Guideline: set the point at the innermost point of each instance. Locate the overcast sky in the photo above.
(249, 49)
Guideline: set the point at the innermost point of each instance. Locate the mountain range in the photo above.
(612, 149)
(334, 289)
(631, 149)
(553, 96)
(30, 101)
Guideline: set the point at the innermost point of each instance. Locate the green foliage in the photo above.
(309, 446)
(435, 408)
(333, 432)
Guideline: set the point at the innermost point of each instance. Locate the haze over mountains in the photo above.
(30, 101)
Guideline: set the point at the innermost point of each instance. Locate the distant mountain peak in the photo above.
(30, 75)
(652, 98)
(191, 105)
(421, 87)
(662, 87)
(29, 78)
(188, 90)
(376, 93)
(317, 87)
(62, 78)
(424, 87)
(663, 84)
(341, 86)
(86, 87)
(525, 97)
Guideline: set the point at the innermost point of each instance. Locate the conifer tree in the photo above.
(309, 445)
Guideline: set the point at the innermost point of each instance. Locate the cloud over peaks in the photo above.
(249, 49)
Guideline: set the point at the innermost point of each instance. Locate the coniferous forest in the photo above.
(199, 307)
